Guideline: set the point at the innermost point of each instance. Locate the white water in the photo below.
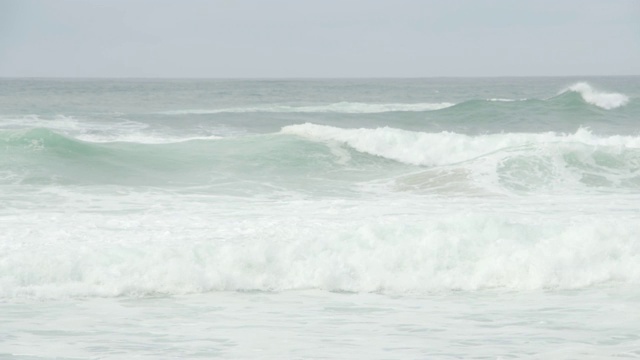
(430, 149)
(115, 274)
(96, 131)
(415, 243)
(598, 98)
(341, 107)
(401, 245)
(505, 100)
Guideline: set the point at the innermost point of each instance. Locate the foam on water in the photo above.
(504, 100)
(432, 149)
(600, 99)
(143, 138)
(305, 245)
(495, 163)
(487, 229)
(96, 131)
(588, 93)
(341, 107)
(69, 124)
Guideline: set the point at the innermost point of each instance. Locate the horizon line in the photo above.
(303, 77)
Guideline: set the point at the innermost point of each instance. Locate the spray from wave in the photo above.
(600, 99)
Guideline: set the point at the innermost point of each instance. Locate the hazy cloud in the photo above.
(329, 38)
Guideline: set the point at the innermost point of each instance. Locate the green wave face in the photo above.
(308, 136)
(41, 156)
(320, 158)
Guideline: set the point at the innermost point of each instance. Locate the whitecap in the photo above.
(341, 107)
(600, 99)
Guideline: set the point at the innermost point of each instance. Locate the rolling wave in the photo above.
(155, 253)
(43, 156)
(600, 99)
(518, 194)
(496, 162)
(589, 94)
(435, 149)
(341, 108)
(91, 130)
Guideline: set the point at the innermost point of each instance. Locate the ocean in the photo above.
(437, 218)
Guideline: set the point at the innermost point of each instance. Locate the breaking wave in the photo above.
(434, 149)
(600, 99)
(341, 107)
(165, 253)
(589, 94)
(504, 162)
(497, 162)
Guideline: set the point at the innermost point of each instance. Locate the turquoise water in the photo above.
(423, 218)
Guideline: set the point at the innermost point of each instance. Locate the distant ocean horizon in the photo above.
(313, 78)
(437, 217)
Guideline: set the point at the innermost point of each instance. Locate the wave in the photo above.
(47, 157)
(498, 162)
(588, 93)
(505, 100)
(155, 253)
(341, 107)
(43, 156)
(600, 99)
(143, 138)
(434, 149)
(38, 140)
(68, 124)
(495, 162)
(89, 130)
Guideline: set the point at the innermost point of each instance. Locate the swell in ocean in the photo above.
(508, 193)
(580, 92)
(512, 161)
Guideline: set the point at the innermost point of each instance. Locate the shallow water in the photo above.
(595, 323)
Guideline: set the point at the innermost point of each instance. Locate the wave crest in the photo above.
(495, 163)
(434, 149)
(341, 108)
(600, 99)
(399, 255)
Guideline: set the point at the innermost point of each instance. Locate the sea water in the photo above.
(270, 219)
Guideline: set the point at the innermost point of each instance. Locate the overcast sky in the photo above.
(318, 38)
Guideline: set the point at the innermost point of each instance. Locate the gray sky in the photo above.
(318, 38)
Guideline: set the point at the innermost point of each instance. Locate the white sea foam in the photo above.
(431, 149)
(337, 246)
(341, 107)
(504, 100)
(142, 138)
(83, 129)
(600, 99)
(91, 130)
(59, 122)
